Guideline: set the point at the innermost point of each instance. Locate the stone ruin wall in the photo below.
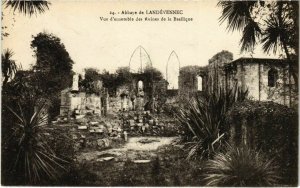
(79, 101)
(128, 97)
(75, 101)
(188, 82)
(216, 77)
(256, 80)
(253, 76)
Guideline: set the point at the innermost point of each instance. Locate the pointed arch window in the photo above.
(272, 77)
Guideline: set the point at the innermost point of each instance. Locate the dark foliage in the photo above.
(122, 76)
(191, 69)
(53, 69)
(88, 84)
(28, 157)
(51, 54)
(203, 121)
(223, 56)
(31, 152)
(272, 128)
(77, 175)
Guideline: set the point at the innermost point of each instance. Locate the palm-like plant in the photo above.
(27, 6)
(238, 14)
(203, 121)
(273, 29)
(34, 160)
(275, 35)
(241, 167)
(9, 67)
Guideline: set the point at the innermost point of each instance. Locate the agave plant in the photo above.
(33, 159)
(241, 166)
(203, 121)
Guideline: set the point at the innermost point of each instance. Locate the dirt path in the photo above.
(136, 148)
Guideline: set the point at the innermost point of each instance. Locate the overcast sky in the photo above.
(108, 45)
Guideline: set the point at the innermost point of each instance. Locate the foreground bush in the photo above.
(270, 127)
(28, 157)
(240, 166)
(203, 121)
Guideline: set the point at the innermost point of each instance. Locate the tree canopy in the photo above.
(53, 62)
(51, 53)
(153, 73)
(223, 56)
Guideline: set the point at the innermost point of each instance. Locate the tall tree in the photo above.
(9, 67)
(53, 62)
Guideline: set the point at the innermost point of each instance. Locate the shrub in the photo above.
(29, 158)
(270, 127)
(240, 166)
(203, 121)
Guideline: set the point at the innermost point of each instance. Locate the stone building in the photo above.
(265, 79)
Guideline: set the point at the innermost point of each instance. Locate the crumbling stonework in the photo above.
(139, 94)
(80, 101)
(75, 102)
(215, 71)
(188, 81)
(265, 79)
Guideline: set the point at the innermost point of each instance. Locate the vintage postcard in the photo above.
(149, 93)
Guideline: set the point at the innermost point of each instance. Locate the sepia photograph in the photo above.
(149, 93)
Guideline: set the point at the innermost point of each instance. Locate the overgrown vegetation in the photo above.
(122, 76)
(271, 128)
(241, 166)
(203, 121)
(28, 157)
